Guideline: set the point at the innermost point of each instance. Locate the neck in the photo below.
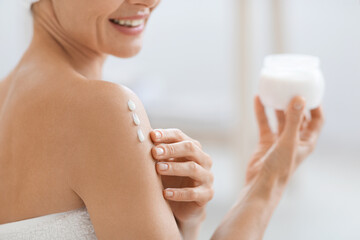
(50, 43)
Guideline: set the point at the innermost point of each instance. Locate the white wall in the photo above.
(184, 72)
(329, 29)
(15, 33)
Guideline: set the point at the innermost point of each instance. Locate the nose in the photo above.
(147, 3)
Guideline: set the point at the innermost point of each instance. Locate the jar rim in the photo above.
(291, 61)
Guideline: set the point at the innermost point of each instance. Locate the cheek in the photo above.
(87, 22)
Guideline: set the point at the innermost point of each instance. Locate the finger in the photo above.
(317, 119)
(314, 126)
(304, 123)
(185, 169)
(199, 195)
(184, 149)
(293, 118)
(171, 135)
(263, 123)
(280, 115)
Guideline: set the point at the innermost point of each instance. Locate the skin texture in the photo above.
(186, 175)
(68, 140)
(114, 173)
(277, 157)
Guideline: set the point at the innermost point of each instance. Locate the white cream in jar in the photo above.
(285, 76)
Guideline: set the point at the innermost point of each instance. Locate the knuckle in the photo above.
(171, 149)
(193, 166)
(193, 194)
(211, 178)
(198, 143)
(209, 160)
(164, 134)
(189, 146)
(176, 167)
(211, 193)
(182, 194)
(178, 133)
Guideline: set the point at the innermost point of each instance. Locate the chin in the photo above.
(126, 51)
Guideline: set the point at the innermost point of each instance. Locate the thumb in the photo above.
(293, 118)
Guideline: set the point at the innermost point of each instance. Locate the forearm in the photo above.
(250, 216)
(189, 231)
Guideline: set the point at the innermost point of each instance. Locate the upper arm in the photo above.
(114, 173)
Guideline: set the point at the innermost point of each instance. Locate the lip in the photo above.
(136, 17)
(133, 31)
(129, 31)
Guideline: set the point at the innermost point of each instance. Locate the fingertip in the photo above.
(297, 103)
(152, 135)
(168, 193)
(161, 166)
(158, 151)
(153, 152)
(258, 102)
(293, 117)
(317, 112)
(156, 135)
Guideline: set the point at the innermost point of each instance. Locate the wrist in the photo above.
(190, 229)
(266, 188)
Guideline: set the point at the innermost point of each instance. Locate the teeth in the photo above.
(137, 23)
(129, 23)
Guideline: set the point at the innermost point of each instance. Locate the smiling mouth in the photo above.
(128, 23)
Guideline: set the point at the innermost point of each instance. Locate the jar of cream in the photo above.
(285, 76)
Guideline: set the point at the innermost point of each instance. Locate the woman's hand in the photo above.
(296, 137)
(276, 158)
(186, 174)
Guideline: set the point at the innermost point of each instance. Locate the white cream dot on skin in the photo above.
(140, 135)
(131, 105)
(136, 119)
(285, 76)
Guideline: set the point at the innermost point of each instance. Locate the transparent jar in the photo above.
(285, 76)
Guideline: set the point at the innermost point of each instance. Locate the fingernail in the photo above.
(159, 151)
(298, 106)
(157, 134)
(163, 166)
(169, 193)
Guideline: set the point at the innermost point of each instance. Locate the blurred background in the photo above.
(198, 71)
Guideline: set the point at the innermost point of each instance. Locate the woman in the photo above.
(75, 148)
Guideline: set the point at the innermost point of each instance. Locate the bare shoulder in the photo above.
(102, 108)
(100, 95)
(105, 125)
(113, 171)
